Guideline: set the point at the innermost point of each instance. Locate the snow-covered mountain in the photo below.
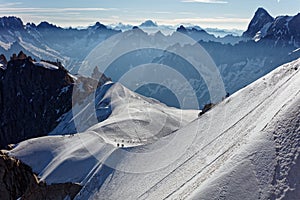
(276, 43)
(266, 44)
(260, 21)
(50, 42)
(196, 33)
(148, 23)
(200, 34)
(110, 141)
(169, 29)
(239, 64)
(253, 135)
(116, 107)
(282, 30)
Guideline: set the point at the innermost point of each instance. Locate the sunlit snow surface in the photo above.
(247, 147)
(45, 65)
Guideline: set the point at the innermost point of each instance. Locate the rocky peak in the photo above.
(32, 98)
(11, 23)
(98, 26)
(47, 25)
(30, 26)
(195, 29)
(18, 180)
(282, 31)
(196, 33)
(135, 28)
(21, 55)
(181, 29)
(294, 24)
(285, 31)
(148, 23)
(34, 95)
(261, 13)
(260, 19)
(15, 177)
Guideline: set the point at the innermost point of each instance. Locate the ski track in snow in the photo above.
(145, 194)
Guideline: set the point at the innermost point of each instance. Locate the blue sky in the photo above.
(205, 13)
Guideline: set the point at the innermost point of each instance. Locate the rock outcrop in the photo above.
(261, 18)
(280, 31)
(17, 180)
(32, 98)
(34, 95)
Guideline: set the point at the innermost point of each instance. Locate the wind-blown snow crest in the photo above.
(123, 115)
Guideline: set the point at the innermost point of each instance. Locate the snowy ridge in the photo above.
(133, 120)
(117, 107)
(252, 135)
(45, 65)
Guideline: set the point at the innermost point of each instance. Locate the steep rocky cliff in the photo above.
(18, 180)
(34, 95)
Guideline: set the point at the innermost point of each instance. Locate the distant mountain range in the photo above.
(267, 43)
(71, 45)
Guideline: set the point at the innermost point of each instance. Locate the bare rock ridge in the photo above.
(279, 31)
(15, 178)
(12, 23)
(260, 19)
(18, 180)
(34, 95)
(30, 99)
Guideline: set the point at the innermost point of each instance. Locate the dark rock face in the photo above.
(98, 25)
(294, 26)
(33, 97)
(15, 178)
(18, 180)
(260, 19)
(31, 100)
(52, 192)
(12, 23)
(285, 31)
(46, 25)
(206, 108)
(281, 31)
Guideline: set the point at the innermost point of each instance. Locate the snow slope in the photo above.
(123, 115)
(247, 147)
(132, 120)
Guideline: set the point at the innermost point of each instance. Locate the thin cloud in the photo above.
(87, 9)
(52, 10)
(204, 1)
(219, 20)
(11, 4)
